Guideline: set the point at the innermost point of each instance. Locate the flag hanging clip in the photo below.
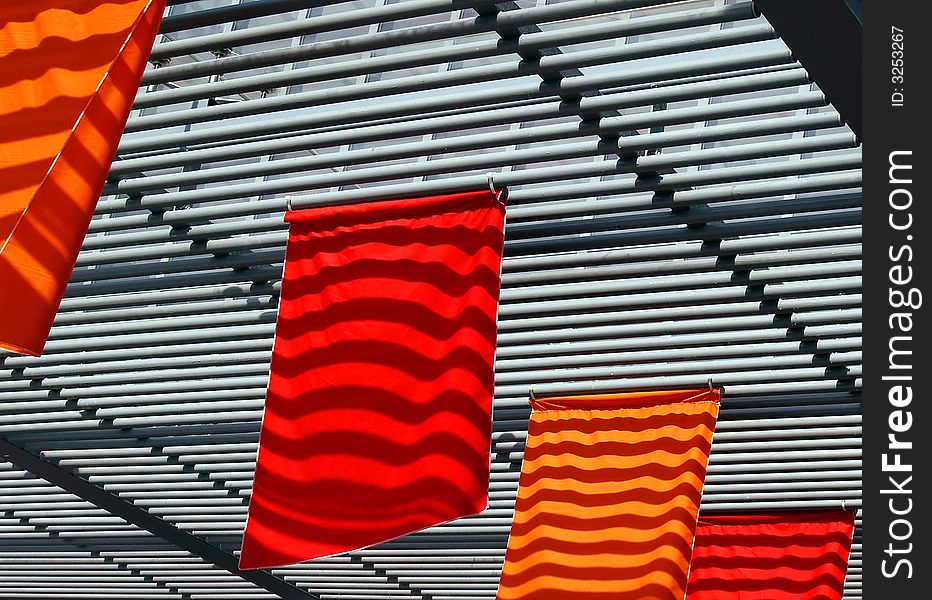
(288, 202)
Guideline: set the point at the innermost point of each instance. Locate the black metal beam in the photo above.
(825, 36)
(143, 519)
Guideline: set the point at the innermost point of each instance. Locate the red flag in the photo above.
(609, 495)
(781, 556)
(69, 76)
(378, 413)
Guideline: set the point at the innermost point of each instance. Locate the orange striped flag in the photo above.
(609, 496)
(70, 73)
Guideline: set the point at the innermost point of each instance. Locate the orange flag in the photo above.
(609, 496)
(70, 73)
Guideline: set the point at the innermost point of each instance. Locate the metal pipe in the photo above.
(699, 259)
(573, 209)
(261, 275)
(415, 109)
(496, 72)
(82, 360)
(600, 339)
(691, 319)
(767, 469)
(678, 234)
(419, 58)
(544, 293)
(561, 200)
(542, 109)
(519, 358)
(523, 204)
(694, 261)
(123, 366)
(676, 381)
(639, 300)
(511, 296)
(236, 12)
(167, 322)
(170, 297)
(510, 277)
(119, 369)
(256, 258)
(506, 383)
(696, 215)
(652, 163)
(655, 163)
(518, 232)
(231, 304)
(263, 330)
(202, 292)
(383, 39)
(603, 126)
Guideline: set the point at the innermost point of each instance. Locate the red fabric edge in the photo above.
(626, 400)
(377, 211)
(822, 516)
(257, 565)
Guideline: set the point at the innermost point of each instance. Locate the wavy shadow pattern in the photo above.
(379, 409)
(609, 495)
(70, 73)
(780, 556)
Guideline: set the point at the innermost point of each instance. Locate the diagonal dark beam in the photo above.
(491, 10)
(662, 198)
(825, 36)
(143, 519)
(79, 545)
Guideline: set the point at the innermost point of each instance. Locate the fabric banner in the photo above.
(379, 408)
(609, 495)
(781, 556)
(70, 73)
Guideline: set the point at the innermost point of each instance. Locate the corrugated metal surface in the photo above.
(683, 205)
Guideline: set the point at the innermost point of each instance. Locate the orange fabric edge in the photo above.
(29, 340)
(18, 349)
(626, 400)
(69, 137)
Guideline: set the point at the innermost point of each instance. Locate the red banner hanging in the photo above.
(70, 73)
(781, 556)
(378, 413)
